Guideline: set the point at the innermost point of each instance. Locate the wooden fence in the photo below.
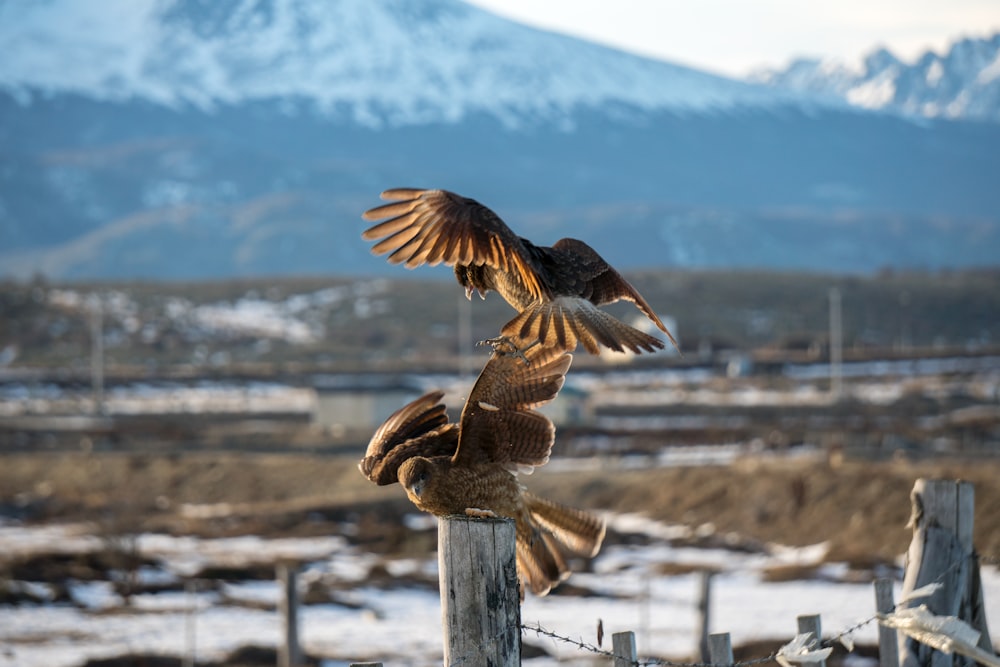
(938, 622)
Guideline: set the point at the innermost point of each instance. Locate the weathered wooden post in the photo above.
(289, 654)
(941, 552)
(623, 646)
(888, 639)
(480, 602)
(811, 623)
(720, 649)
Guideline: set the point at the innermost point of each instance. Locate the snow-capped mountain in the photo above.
(370, 61)
(964, 82)
(208, 138)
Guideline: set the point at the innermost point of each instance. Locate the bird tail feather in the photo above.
(563, 323)
(555, 534)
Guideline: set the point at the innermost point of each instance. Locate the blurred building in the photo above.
(355, 403)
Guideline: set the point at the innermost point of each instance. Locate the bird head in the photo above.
(414, 475)
(472, 278)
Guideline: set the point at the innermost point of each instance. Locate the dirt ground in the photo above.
(861, 509)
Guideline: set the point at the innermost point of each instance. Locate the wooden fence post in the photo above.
(888, 639)
(720, 649)
(480, 602)
(941, 552)
(289, 654)
(623, 646)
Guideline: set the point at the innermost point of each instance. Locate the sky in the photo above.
(734, 37)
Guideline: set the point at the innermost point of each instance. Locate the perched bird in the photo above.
(469, 467)
(557, 291)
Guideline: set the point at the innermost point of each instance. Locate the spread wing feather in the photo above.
(410, 421)
(521, 440)
(498, 423)
(436, 226)
(601, 283)
(419, 428)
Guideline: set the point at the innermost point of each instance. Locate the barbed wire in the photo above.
(839, 637)
(477, 651)
(579, 643)
(958, 562)
(825, 643)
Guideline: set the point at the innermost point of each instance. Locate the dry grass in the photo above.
(861, 509)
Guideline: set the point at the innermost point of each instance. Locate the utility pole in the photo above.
(836, 345)
(97, 353)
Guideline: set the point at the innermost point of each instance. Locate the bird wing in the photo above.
(419, 428)
(579, 265)
(498, 423)
(435, 226)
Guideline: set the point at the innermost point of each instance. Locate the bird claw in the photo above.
(503, 345)
(477, 513)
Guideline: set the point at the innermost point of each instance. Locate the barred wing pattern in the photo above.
(435, 226)
(420, 428)
(557, 291)
(498, 422)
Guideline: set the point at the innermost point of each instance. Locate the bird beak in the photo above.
(416, 489)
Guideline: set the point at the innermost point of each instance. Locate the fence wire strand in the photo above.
(537, 628)
(825, 643)
(582, 645)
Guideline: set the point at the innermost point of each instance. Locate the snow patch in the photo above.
(404, 623)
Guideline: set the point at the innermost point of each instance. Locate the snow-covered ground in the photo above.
(401, 624)
(201, 397)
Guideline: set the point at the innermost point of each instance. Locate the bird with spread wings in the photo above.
(469, 467)
(556, 290)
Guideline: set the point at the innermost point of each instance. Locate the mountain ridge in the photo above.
(963, 82)
(374, 63)
(388, 62)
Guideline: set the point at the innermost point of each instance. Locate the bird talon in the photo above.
(503, 345)
(495, 343)
(477, 513)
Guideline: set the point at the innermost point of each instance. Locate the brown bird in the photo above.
(469, 467)
(557, 291)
